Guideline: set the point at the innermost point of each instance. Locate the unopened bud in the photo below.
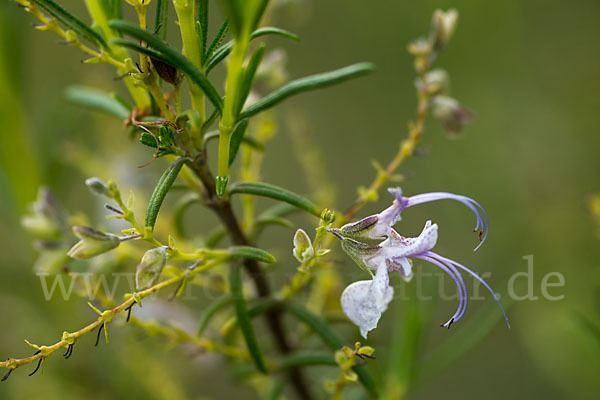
(97, 186)
(437, 82)
(443, 25)
(92, 242)
(451, 114)
(327, 215)
(303, 249)
(71, 36)
(149, 270)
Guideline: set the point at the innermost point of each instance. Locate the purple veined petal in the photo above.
(470, 272)
(478, 210)
(460, 283)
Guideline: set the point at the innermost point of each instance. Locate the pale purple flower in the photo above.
(365, 301)
(379, 225)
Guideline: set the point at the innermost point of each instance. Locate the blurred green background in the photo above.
(529, 70)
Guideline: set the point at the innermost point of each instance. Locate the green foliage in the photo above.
(217, 40)
(71, 22)
(171, 57)
(277, 193)
(169, 128)
(305, 84)
(251, 253)
(235, 282)
(160, 191)
(97, 100)
(223, 51)
(236, 139)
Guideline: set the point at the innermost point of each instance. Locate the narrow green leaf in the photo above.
(235, 281)
(258, 307)
(121, 101)
(224, 50)
(162, 15)
(96, 100)
(236, 139)
(210, 311)
(277, 193)
(172, 57)
(307, 83)
(142, 49)
(252, 253)
(248, 76)
(217, 40)
(331, 339)
(71, 22)
(160, 191)
(203, 20)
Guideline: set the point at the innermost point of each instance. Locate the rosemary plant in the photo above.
(175, 108)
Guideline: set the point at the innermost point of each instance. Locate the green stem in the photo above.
(96, 11)
(229, 118)
(185, 10)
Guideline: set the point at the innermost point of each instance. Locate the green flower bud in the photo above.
(71, 36)
(303, 249)
(327, 215)
(92, 242)
(451, 114)
(97, 186)
(149, 270)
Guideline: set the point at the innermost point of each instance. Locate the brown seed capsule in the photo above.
(167, 72)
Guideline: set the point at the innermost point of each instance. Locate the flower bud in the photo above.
(328, 216)
(443, 25)
(97, 186)
(92, 242)
(451, 114)
(71, 36)
(149, 270)
(303, 249)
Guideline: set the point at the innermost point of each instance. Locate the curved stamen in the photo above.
(484, 283)
(464, 287)
(478, 210)
(462, 306)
